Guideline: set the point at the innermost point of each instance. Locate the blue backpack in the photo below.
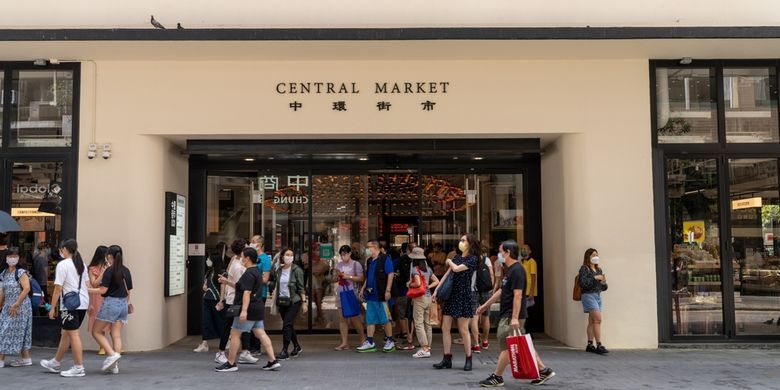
(36, 293)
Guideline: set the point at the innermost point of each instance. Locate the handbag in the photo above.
(72, 300)
(522, 356)
(420, 290)
(130, 308)
(350, 307)
(283, 301)
(576, 293)
(445, 289)
(233, 311)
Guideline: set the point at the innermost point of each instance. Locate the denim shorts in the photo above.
(113, 310)
(592, 302)
(247, 326)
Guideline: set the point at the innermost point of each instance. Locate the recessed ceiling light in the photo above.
(478, 158)
(249, 159)
(455, 158)
(270, 158)
(363, 159)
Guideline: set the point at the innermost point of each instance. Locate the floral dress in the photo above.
(15, 332)
(460, 304)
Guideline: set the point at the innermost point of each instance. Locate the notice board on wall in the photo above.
(175, 244)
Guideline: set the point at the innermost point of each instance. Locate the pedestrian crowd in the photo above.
(408, 290)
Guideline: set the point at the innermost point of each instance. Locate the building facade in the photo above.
(649, 133)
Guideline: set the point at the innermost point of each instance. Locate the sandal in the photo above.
(341, 348)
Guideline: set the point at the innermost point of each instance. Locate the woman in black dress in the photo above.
(459, 305)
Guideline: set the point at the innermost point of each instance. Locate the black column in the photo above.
(196, 233)
(532, 181)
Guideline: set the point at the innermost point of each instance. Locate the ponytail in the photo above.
(115, 251)
(72, 247)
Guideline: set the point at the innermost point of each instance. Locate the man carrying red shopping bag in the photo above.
(526, 362)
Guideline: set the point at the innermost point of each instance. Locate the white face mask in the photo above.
(594, 260)
(501, 258)
(209, 263)
(12, 261)
(288, 259)
(345, 257)
(368, 252)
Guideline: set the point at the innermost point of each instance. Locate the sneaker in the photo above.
(296, 352)
(544, 375)
(485, 345)
(2, 363)
(367, 347)
(493, 381)
(421, 354)
(115, 370)
(227, 367)
(21, 363)
(601, 350)
(73, 372)
(476, 349)
(272, 366)
(247, 358)
(220, 358)
(51, 365)
(590, 348)
(110, 362)
(203, 347)
(389, 346)
(282, 356)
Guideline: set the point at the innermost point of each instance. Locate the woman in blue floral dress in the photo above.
(459, 306)
(16, 317)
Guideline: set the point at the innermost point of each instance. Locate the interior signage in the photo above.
(740, 204)
(28, 212)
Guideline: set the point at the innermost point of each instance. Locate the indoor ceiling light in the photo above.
(363, 159)
(478, 158)
(249, 159)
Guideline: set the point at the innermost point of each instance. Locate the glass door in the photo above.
(755, 221)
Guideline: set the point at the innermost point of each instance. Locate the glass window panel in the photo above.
(750, 99)
(42, 108)
(697, 304)
(2, 88)
(37, 195)
(755, 225)
(686, 105)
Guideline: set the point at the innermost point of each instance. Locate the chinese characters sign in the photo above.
(292, 193)
(175, 244)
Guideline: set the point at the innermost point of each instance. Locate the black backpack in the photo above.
(484, 283)
(403, 271)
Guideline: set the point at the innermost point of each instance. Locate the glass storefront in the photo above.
(717, 134)
(316, 215)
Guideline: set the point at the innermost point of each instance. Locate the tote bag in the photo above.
(522, 358)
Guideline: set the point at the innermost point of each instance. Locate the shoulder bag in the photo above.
(577, 291)
(72, 300)
(419, 291)
(445, 289)
(130, 308)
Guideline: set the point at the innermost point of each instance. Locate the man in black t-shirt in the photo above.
(250, 317)
(512, 314)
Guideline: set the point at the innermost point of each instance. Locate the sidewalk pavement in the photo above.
(320, 368)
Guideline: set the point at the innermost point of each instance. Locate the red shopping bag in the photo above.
(522, 356)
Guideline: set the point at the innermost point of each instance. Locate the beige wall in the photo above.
(357, 13)
(597, 186)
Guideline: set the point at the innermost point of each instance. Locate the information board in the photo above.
(175, 244)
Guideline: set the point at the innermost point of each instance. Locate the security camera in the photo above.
(106, 151)
(92, 152)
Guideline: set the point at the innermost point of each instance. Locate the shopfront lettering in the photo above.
(294, 199)
(384, 87)
(35, 189)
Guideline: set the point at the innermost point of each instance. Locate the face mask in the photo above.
(501, 259)
(368, 252)
(209, 263)
(523, 253)
(594, 260)
(345, 257)
(288, 259)
(462, 246)
(12, 261)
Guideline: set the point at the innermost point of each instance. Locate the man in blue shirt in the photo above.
(376, 292)
(264, 264)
